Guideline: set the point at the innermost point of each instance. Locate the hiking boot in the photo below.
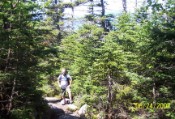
(63, 102)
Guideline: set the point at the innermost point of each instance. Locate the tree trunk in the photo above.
(109, 98)
(72, 16)
(103, 13)
(7, 60)
(124, 3)
(56, 2)
(11, 96)
(154, 92)
(135, 3)
(57, 19)
(14, 81)
(92, 8)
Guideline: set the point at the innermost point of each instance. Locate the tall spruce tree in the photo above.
(21, 48)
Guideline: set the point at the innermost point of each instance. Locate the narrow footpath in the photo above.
(59, 111)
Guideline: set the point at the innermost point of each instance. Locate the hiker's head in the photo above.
(64, 71)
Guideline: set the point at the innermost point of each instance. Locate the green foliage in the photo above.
(22, 49)
(111, 70)
(91, 57)
(136, 55)
(157, 53)
(22, 114)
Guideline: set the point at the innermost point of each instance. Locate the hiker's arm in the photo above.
(70, 81)
(59, 81)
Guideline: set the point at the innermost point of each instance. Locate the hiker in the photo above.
(64, 81)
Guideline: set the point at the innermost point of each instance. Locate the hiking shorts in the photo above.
(63, 90)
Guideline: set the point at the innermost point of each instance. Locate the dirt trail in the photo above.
(59, 111)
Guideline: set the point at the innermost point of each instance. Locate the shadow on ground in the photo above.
(57, 113)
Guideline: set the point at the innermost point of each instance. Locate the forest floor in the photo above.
(59, 111)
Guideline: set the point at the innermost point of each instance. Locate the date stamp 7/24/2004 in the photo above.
(151, 105)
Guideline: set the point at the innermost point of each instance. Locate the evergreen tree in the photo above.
(159, 54)
(21, 48)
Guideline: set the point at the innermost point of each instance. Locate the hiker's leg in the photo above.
(69, 93)
(63, 95)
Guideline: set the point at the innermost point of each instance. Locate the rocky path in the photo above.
(59, 111)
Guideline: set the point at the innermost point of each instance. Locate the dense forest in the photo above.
(122, 65)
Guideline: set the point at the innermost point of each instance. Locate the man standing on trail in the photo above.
(64, 81)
